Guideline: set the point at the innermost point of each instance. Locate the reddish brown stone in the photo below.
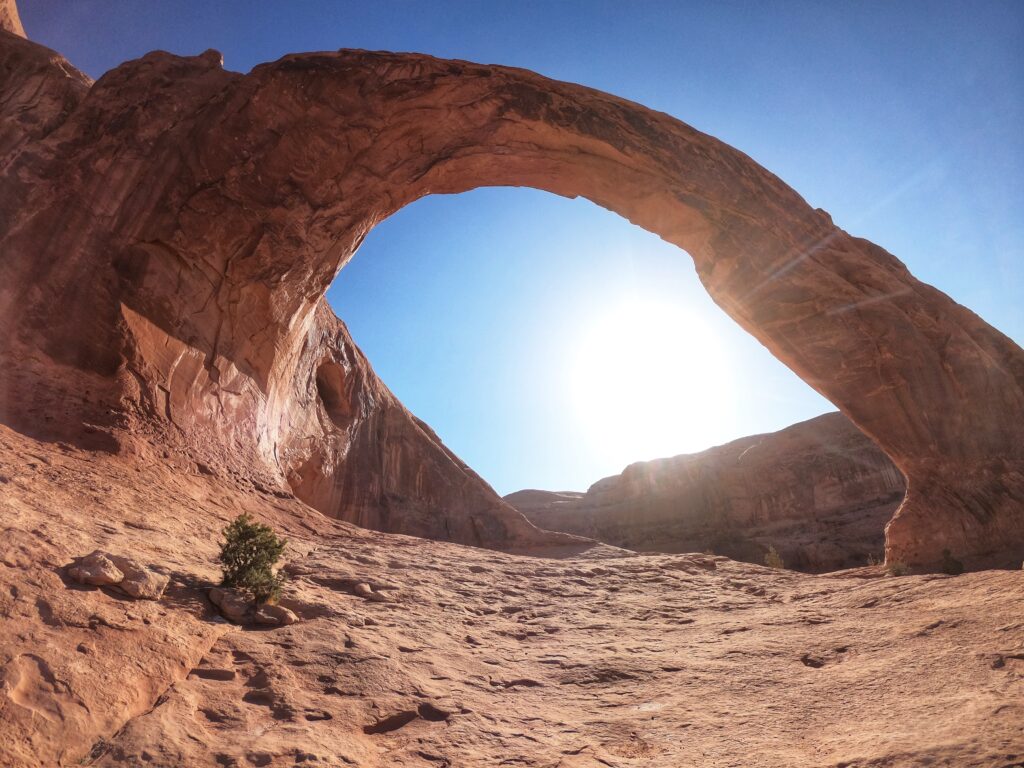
(9, 18)
(168, 234)
(820, 492)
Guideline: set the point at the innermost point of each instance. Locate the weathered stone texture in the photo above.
(820, 492)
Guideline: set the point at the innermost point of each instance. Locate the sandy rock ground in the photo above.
(468, 657)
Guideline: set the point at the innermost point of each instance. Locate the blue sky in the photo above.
(904, 120)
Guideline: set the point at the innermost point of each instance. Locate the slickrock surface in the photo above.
(820, 492)
(474, 657)
(167, 234)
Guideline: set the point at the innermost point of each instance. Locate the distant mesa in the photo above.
(820, 492)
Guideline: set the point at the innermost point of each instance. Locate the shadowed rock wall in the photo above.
(820, 492)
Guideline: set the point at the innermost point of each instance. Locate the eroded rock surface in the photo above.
(166, 237)
(9, 18)
(316, 423)
(820, 492)
(477, 657)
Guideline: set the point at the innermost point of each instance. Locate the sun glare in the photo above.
(649, 380)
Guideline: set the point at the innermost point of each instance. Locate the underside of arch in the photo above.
(173, 251)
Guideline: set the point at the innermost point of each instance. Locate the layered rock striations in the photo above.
(168, 232)
(355, 453)
(819, 492)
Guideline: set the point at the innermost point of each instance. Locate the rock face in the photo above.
(169, 231)
(820, 492)
(166, 237)
(310, 417)
(9, 18)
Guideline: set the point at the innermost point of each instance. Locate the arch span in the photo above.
(240, 196)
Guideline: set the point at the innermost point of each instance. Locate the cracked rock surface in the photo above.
(599, 657)
(167, 234)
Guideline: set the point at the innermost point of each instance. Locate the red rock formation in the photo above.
(820, 492)
(311, 417)
(168, 234)
(354, 452)
(9, 18)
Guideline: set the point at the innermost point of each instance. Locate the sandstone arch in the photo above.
(190, 219)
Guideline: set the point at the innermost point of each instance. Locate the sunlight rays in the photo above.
(650, 379)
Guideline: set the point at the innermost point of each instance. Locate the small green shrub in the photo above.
(897, 568)
(874, 559)
(773, 559)
(247, 558)
(950, 564)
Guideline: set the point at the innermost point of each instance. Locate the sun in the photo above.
(649, 380)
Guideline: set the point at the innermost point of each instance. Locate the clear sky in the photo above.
(504, 317)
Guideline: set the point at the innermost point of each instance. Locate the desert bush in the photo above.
(247, 558)
(950, 564)
(898, 568)
(773, 559)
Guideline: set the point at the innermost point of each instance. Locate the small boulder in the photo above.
(103, 569)
(365, 591)
(362, 589)
(233, 606)
(97, 569)
(139, 581)
(275, 615)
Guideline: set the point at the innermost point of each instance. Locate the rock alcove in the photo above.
(169, 231)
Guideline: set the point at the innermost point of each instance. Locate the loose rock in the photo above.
(95, 568)
(275, 615)
(233, 606)
(139, 581)
(104, 569)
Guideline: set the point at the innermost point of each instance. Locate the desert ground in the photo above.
(468, 657)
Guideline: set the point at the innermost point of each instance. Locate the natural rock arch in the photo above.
(191, 219)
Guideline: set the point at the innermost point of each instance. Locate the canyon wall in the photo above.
(168, 232)
(820, 492)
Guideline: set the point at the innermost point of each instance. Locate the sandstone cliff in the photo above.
(149, 375)
(166, 236)
(10, 19)
(820, 492)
